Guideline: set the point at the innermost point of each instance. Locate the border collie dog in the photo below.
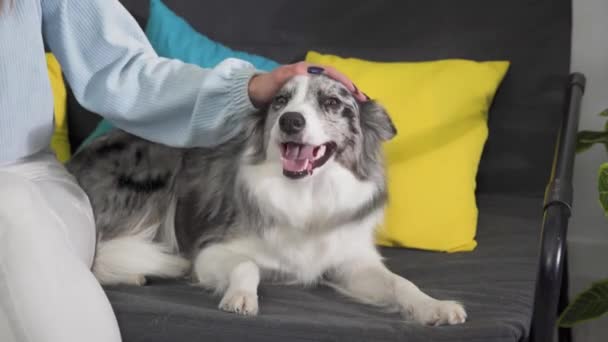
(295, 197)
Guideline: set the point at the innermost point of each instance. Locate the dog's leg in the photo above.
(234, 275)
(373, 283)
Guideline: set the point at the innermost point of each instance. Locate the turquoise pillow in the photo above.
(102, 128)
(172, 37)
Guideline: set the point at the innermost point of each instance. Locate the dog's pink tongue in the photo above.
(296, 157)
(291, 151)
(297, 165)
(298, 152)
(306, 152)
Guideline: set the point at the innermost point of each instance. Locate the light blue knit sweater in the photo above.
(113, 71)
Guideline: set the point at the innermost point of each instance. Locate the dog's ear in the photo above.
(376, 120)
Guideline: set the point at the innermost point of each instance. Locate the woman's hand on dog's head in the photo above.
(263, 87)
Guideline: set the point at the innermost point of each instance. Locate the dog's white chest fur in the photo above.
(305, 257)
(306, 242)
(311, 201)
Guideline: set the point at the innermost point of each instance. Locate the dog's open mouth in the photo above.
(299, 160)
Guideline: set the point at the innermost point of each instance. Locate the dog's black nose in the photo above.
(292, 122)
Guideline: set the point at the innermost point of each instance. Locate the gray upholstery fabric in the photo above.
(495, 282)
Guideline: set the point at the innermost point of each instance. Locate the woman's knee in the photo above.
(22, 206)
(17, 195)
(46, 212)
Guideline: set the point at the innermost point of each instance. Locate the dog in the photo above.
(295, 197)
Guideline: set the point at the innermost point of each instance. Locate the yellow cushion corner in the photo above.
(440, 110)
(60, 143)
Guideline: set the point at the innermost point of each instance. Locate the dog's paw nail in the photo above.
(440, 313)
(240, 302)
(139, 280)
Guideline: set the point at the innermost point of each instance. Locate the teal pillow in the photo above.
(102, 128)
(172, 37)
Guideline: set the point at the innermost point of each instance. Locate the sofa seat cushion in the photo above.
(495, 282)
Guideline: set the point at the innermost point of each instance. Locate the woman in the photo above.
(47, 233)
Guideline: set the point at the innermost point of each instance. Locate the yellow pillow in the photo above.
(60, 143)
(440, 110)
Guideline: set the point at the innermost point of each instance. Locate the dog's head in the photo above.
(314, 121)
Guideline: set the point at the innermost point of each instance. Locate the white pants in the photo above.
(47, 244)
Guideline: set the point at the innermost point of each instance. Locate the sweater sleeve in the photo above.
(113, 70)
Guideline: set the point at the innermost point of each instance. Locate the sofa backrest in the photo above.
(533, 35)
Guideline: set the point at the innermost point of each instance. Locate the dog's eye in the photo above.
(280, 100)
(331, 102)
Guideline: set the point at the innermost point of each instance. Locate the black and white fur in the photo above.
(230, 216)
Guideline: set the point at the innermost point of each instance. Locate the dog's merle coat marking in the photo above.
(149, 184)
(230, 210)
(114, 147)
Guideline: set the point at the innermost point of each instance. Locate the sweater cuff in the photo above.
(240, 102)
(232, 104)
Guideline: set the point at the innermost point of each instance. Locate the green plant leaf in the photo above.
(590, 304)
(604, 112)
(586, 139)
(582, 146)
(602, 185)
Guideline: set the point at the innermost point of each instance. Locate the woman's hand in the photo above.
(263, 87)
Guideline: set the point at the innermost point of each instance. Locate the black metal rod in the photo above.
(558, 207)
(564, 334)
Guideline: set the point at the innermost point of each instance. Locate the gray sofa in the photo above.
(520, 233)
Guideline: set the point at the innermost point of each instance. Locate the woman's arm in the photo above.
(113, 71)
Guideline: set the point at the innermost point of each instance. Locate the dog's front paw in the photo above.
(439, 312)
(240, 302)
(139, 280)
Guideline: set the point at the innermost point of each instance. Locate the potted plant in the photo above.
(593, 302)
